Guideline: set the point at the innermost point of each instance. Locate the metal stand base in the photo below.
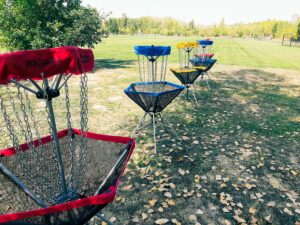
(102, 218)
(187, 91)
(154, 121)
(203, 76)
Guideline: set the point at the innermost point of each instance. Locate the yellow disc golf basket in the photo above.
(186, 73)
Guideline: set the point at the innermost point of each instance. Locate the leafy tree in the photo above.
(33, 24)
(298, 29)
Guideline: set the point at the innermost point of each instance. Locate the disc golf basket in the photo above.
(203, 65)
(153, 94)
(204, 49)
(186, 73)
(50, 172)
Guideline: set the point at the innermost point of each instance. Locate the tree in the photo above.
(298, 29)
(34, 24)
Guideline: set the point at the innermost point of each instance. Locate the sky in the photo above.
(202, 12)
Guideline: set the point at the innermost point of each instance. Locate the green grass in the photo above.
(229, 51)
(247, 129)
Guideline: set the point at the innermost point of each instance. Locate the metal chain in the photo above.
(15, 141)
(48, 188)
(83, 126)
(70, 131)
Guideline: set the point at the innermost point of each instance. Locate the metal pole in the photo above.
(139, 125)
(154, 132)
(103, 219)
(55, 139)
(14, 179)
(23, 86)
(115, 167)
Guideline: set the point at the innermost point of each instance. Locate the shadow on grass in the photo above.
(243, 133)
(112, 64)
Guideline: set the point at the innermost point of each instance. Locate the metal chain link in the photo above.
(83, 126)
(15, 141)
(70, 131)
(42, 149)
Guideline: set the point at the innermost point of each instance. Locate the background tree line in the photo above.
(170, 26)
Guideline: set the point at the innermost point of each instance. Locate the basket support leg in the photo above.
(154, 132)
(168, 124)
(193, 93)
(104, 219)
(207, 81)
(139, 124)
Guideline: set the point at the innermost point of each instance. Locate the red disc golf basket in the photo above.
(186, 73)
(204, 49)
(50, 172)
(153, 94)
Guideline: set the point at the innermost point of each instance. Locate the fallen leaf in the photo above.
(240, 205)
(112, 219)
(168, 194)
(135, 219)
(193, 218)
(250, 186)
(268, 218)
(152, 202)
(276, 183)
(161, 221)
(239, 219)
(297, 211)
(218, 177)
(199, 212)
(225, 210)
(175, 221)
(271, 204)
(171, 202)
(227, 222)
(181, 171)
(287, 211)
(160, 209)
(252, 210)
(172, 185)
(294, 173)
(144, 216)
(128, 187)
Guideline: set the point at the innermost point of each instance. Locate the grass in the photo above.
(240, 151)
(242, 52)
(242, 143)
(243, 134)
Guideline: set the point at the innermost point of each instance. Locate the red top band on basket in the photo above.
(31, 64)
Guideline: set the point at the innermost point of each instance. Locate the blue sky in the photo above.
(203, 12)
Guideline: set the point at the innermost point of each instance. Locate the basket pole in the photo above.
(55, 139)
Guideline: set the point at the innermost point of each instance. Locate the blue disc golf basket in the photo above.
(203, 61)
(186, 73)
(153, 94)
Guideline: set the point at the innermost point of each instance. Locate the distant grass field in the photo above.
(229, 51)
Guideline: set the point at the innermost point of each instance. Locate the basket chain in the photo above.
(70, 131)
(83, 126)
(40, 144)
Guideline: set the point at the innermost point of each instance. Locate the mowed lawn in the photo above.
(229, 51)
(239, 160)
